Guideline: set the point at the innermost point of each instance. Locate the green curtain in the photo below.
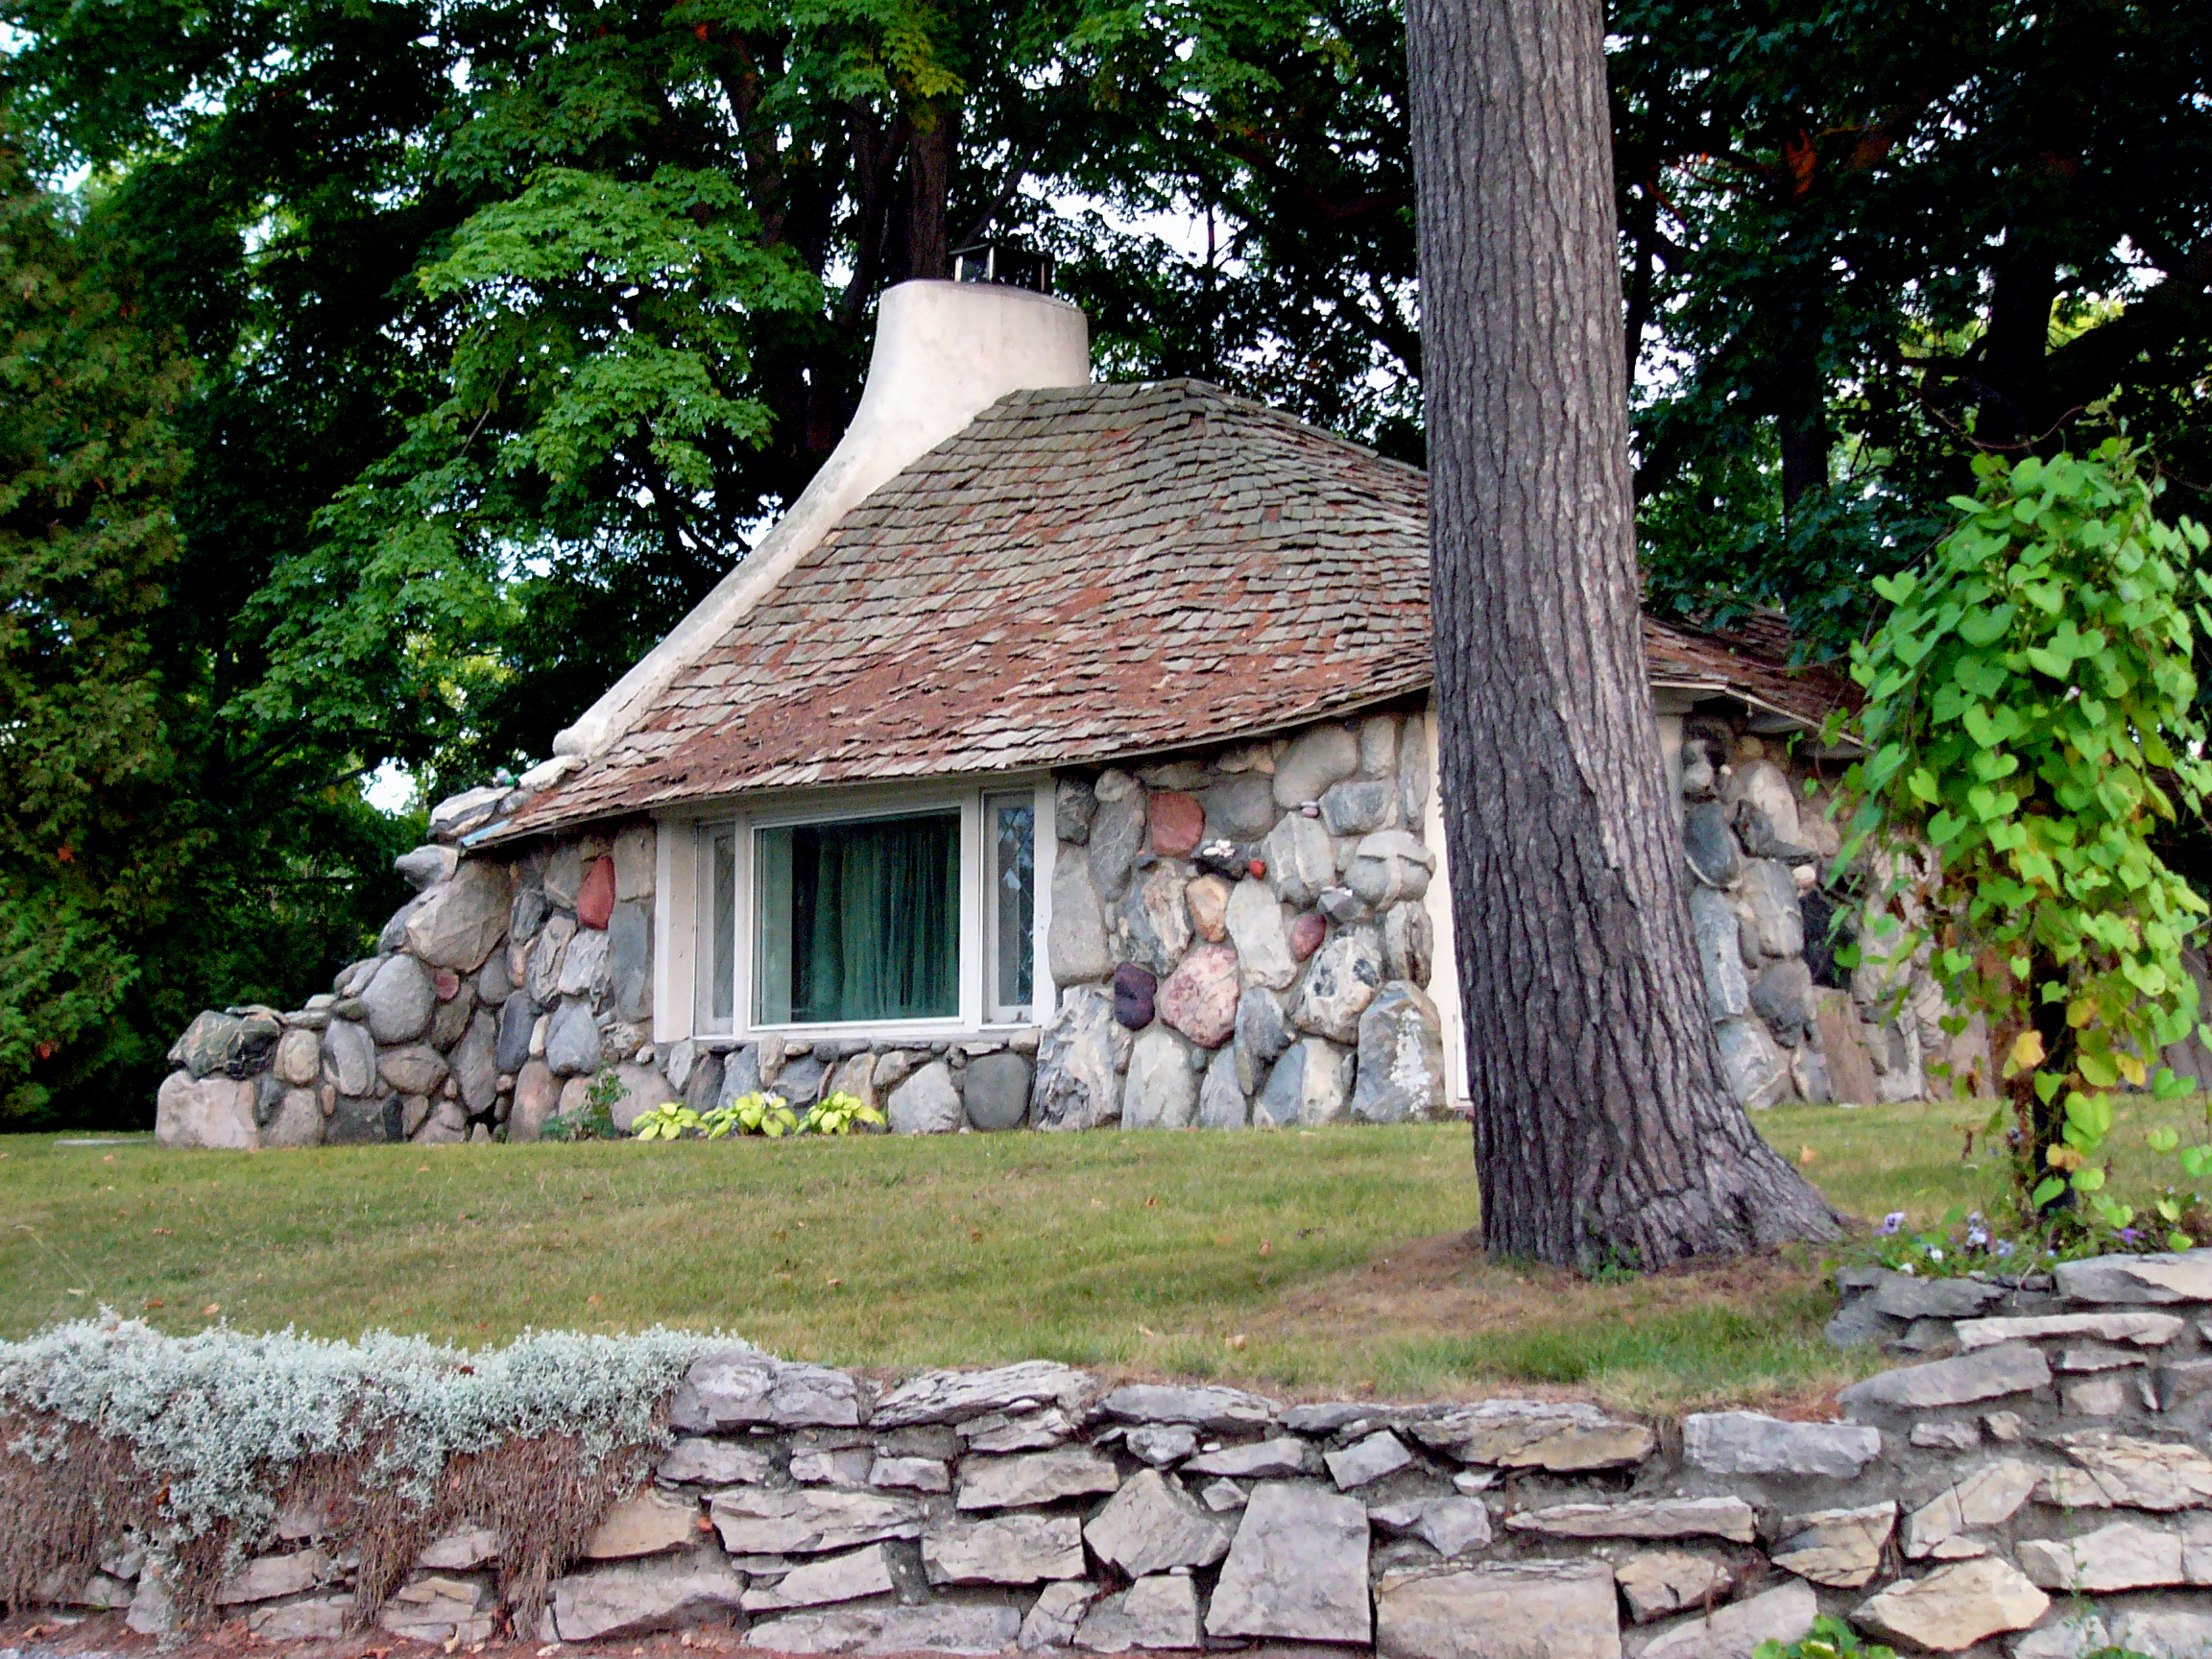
(873, 929)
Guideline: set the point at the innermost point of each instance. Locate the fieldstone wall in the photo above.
(2040, 1490)
(494, 998)
(1243, 938)
(1793, 1023)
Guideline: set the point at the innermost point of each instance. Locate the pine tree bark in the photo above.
(1602, 1131)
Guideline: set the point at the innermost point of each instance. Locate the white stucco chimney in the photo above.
(945, 353)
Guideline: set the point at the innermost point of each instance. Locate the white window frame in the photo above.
(684, 883)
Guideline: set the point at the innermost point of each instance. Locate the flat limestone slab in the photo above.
(1297, 1568)
(1493, 1612)
(1729, 1518)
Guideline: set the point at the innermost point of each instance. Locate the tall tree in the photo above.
(1603, 1133)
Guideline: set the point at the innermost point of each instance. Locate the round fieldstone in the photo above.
(1135, 988)
(1306, 936)
(996, 1091)
(1200, 998)
(398, 1001)
(1178, 822)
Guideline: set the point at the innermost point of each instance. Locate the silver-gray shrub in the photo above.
(220, 1422)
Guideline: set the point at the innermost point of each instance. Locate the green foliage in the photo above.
(2030, 716)
(666, 1122)
(839, 1114)
(91, 834)
(1845, 241)
(595, 1118)
(754, 1114)
(1828, 1639)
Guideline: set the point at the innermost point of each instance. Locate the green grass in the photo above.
(1302, 1262)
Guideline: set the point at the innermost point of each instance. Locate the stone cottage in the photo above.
(1063, 758)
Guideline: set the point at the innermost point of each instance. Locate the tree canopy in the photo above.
(506, 327)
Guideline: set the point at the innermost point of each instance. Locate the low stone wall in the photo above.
(2038, 1490)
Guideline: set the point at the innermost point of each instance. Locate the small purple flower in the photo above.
(2128, 1234)
(1976, 1238)
(2002, 1247)
(1891, 1222)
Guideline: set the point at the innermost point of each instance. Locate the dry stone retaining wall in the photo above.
(1240, 936)
(2036, 1488)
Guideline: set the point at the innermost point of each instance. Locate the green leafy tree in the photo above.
(89, 833)
(1852, 232)
(2029, 719)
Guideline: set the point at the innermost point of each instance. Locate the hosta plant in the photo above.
(754, 1114)
(838, 1114)
(665, 1123)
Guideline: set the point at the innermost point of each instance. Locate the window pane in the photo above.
(1014, 874)
(718, 931)
(860, 920)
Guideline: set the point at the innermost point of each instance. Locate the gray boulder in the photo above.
(1075, 1086)
(1153, 924)
(214, 1112)
(1262, 1032)
(399, 1001)
(1777, 917)
(1709, 845)
(926, 1104)
(1340, 981)
(1359, 809)
(1400, 1066)
(1240, 809)
(1162, 1091)
(1389, 865)
(474, 1062)
(1221, 1100)
(351, 1054)
(1310, 1085)
(996, 1091)
(1260, 933)
(1301, 861)
(1753, 1065)
(546, 956)
(572, 1045)
(461, 920)
(1075, 941)
(630, 958)
(427, 866)
(1118, 835)
(517, 1016)
(1713, 927)
(1314, 760)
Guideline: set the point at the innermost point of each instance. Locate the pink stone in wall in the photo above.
(595, 901)
(1200, 998)
(1307, 933)
(1178, 822)
(448, 982)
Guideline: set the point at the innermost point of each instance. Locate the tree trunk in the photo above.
(1603, 1133)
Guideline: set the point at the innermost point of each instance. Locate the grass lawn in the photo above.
(1301, 1263)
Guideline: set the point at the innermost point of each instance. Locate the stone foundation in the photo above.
(2036, 1485)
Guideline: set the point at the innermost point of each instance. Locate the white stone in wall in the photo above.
(926, 1104)
(1260, 933)
(1987, 1497)
(1752, 1443)
(1161, 1090)
(1729, 1518)
(215, 1113)
(1076, 1085)
(1153, 1613)
(2124, 1555)
(1075, 938)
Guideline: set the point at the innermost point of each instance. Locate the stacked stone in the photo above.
(1243, 939)
(1790, 1024)
(494, 994)
(2043, 1482)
